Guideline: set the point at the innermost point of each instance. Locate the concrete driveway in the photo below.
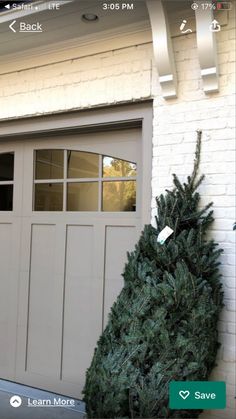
(31, 407)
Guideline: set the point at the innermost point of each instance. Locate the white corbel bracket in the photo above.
(162, 46)
(206, 44)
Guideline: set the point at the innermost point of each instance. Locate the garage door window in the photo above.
(68, 180)
(49, 164)
(6, 181)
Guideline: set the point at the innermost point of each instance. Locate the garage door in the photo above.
(69, 211)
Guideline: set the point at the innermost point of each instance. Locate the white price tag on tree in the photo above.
(164, 234)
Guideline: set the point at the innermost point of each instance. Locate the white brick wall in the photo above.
(174, 141)
(107, 78)
(130, 74)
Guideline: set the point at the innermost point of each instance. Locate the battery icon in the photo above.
(223, 5)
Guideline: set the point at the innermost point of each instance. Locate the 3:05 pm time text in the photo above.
(118, 6)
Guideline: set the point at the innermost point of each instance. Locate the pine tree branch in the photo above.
(196, 160)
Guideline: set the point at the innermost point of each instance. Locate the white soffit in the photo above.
(64, 24)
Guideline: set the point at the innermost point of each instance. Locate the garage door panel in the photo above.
(9, 273)
(43, 340)
(79, 249)
(119, 240)
(5, 296)
(82, 321)
(5, 254)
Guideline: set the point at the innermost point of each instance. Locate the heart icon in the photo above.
(184, 394)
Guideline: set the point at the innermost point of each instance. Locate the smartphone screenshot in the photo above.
(117, 209)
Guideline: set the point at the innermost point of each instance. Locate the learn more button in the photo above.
(197, 395)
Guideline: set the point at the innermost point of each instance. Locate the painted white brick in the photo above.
(231, 328)
(222, 326)
(230, 388)
(227, 339)
(230, 282)
(230, 304)
(232, 55)
(227, 316)
(229, 354)
(228, 259)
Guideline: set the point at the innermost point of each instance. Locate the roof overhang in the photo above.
(154, 21)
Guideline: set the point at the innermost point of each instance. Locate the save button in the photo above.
(197, 395)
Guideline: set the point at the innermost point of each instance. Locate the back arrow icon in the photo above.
(11, 26)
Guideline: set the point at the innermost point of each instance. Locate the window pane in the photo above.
(118, 168)
(6, 166)
(82, 196)
(48, 197)
(6, 197)
(119, 196)
(82, 165)
(49, 164)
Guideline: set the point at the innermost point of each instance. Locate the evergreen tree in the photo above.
(163, 326)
